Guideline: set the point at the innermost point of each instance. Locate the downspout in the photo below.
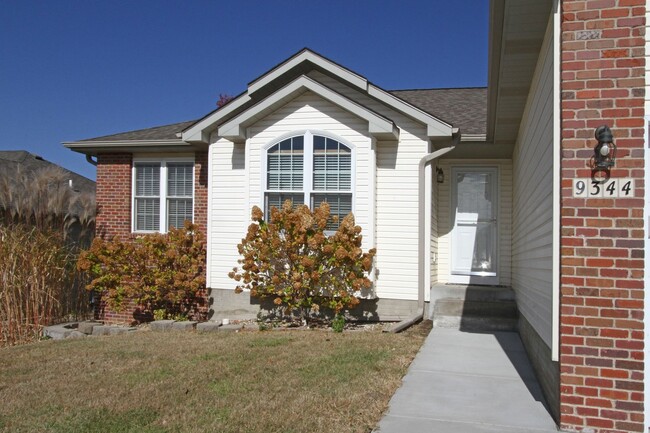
(90, 159)
(426, 160)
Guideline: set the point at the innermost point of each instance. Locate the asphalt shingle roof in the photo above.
(164, 132)
(464, 108)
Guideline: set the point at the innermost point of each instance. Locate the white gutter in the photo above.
(422, 268)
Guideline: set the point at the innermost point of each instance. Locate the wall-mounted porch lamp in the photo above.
(604, 155)
(605, 150)
(440, 175)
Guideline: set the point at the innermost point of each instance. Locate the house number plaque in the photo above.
(612, 188)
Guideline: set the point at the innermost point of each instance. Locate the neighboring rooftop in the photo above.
(15, 160)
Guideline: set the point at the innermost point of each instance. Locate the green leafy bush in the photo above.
(338, 323)
(294, 262)
(157, 271)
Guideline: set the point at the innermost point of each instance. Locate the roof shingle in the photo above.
(464, 108)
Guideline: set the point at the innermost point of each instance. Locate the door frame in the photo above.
(480, 278)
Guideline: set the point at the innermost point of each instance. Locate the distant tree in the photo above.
(224, 99)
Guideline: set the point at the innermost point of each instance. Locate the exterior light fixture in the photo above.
(605, 150)
(440, 175)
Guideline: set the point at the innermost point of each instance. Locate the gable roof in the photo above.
(442, 110)
(294, 68)
(464, 108)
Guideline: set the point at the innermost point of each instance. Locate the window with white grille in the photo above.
(163, 194)
(309, 169)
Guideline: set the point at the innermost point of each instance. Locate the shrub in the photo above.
(157, 271)
(294, 262)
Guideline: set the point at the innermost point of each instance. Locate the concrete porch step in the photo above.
(460, 307)
(473, 323)
(474, 308)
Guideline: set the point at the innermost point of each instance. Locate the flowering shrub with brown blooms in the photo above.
(292, 260)
(157, 271)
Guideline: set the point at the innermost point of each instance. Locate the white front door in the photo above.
(474, 235)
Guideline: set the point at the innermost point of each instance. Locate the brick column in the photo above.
(201, 190)
(114, 194)
(602, 240)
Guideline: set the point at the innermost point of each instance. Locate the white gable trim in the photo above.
(200, 131)
(307, 56)
(235, 129)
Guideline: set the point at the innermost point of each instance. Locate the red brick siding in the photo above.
(602, 240)
(201, 190)
(114, 194)
(114, 216)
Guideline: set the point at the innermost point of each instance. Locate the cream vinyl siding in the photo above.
(242, 184)
(532, 231)
(434, 230)
(385, 178)
(311, 112)
(229, 213)
(396, 206)
(504, 216)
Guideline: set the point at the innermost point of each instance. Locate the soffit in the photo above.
(517, 29)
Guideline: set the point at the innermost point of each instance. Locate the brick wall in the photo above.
(602, 240)
(114, 194)
(201, 190)
(114, 216)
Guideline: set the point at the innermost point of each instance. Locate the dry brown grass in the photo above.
(276, 381)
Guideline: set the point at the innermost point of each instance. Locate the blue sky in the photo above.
(75, 69)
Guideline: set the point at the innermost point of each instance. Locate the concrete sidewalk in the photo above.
(463, 382)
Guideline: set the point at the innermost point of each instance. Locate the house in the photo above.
(468, 187)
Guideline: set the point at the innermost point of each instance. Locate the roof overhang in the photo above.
(93, 147)
(517, 29)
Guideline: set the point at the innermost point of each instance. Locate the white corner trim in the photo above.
(557, 187)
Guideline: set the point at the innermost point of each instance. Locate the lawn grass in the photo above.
(276, 381)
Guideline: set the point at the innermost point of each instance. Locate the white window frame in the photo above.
(163, 161)
(308, 167)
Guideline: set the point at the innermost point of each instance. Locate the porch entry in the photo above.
(474, 237)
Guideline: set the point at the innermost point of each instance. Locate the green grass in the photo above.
(293, 381)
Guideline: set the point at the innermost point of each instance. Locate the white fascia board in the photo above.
(343, 73)
(473, 137)
(200, 131)
(378, 125)
(92, 147)
(436, 128)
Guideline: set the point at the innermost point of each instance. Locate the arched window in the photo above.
(309, 169)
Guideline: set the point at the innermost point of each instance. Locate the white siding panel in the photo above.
(228, 209)
(532, 236)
